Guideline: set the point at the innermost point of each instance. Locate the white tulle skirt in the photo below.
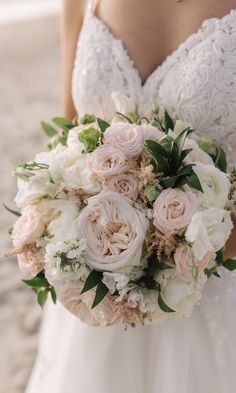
(194, 355)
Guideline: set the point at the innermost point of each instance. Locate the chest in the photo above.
(151, 30)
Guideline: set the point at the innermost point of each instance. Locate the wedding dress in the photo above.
(196, 83)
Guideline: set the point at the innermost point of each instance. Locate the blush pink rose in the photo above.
(107, 161)
(184, 261)
(173, 210)
(28, 228)
(80, 305)
(30, 263)
(127, 137)
(125, 183)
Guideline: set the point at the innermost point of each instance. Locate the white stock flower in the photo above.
(114, 230)
(115, 281)
(208, 231)
(215, 185)
(145, 299)
(126, 137)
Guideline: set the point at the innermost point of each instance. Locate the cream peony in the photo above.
(208, 231)
(114, 230)
(124, 183)
(173, 210)
(107, 161)
(80, 305)
(28, 228)
(125, 136)
(215, 185)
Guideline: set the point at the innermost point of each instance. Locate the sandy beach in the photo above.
(30, 89)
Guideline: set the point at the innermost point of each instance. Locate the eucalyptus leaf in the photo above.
(92, 280)
(163, 306)
(101, 292)
(63, 123)
(48, 129)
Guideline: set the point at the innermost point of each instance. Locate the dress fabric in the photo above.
(196, 83)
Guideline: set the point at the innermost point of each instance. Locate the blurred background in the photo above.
(30, 92)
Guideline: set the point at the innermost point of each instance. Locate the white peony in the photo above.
(215, 185)
(114, 230)
(208, 231)
(80, 176)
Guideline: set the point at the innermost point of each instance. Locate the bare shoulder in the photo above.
(74, 9)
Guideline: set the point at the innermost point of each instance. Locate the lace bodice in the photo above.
(196, 83)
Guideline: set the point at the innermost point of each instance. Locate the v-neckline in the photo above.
(169, 57)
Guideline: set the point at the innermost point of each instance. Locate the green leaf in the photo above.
(103, 125)
(167, 143)
(151, 192)
(38, 281)
(63, 123)
(15, 212)
(220, 256)
(87, 119)
(42, 297)
(163, 306)
(161, 165)
(101, 292)
(125, 117)
(168, 121)
(220, 159)
(230, 264)
(92, 280)
(48, 129)
(155, 148)
(155, 266)
(53, 295)
(89, 137)
(185, 153)
(194, 182)
(151, 284)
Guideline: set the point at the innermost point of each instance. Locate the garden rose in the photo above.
(184, 260)
(215, 185)
(28, 228)
(125, 183)
(127, 137)
(107, 161)
(30, 263)
(80, 305)
(173, 210)
(114, 230)
(208, 231)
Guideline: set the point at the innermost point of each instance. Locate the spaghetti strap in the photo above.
(90, 7)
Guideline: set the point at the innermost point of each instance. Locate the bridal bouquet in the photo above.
(124, 221)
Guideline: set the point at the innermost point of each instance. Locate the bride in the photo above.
(183, 54)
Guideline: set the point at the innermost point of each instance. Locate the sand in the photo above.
(30, 89)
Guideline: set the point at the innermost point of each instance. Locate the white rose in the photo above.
(123, 103)
(215, 185)
(179, 295)
(124, 183)
(79, 175)
(208, 231)
(114, 230)
(125, 136)
(107, 161)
